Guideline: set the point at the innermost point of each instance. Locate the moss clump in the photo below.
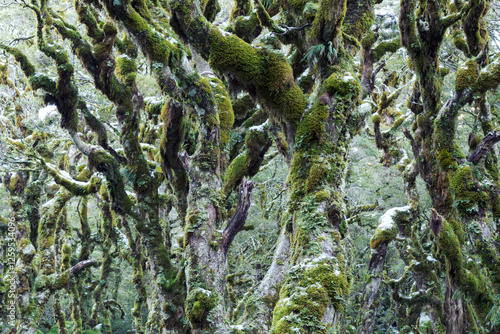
(257, 142)
(210, 9)
(376, 118)
(359, 24)
(468, 278)
(40, 81)
(231, 54)
(466, 75)
(327, 23)
(240, 8)
(236, 171)
(198, 305)
(242, 106)
(246, 27)
(368, 40)
(226, 114)
(384, 47)
(267, 72)
(310, 11)
(467, 191)
(489, 78)
(388, 227)
(460, 42)
(154, 106)
(446, 160)
(312, 126)
(342, 83)
(317, 173)
(322, 195)
(312, 287)
(126, 69)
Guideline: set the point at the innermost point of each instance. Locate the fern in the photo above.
(267, 3)
(317, 51)
(314, 52)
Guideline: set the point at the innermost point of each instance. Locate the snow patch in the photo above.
(387, 219)
(259, 128)
(46, 112)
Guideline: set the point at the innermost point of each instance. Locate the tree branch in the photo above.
(485, 146)
(82, 265)
(414, 146)
(240, 216)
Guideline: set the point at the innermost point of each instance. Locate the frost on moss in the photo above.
(312, 289)
(388, 226)
(342, 83)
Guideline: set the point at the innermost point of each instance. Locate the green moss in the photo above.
(103, 162)
(489, 78)
(376, 118)
(317, 174)
(470, 280)
(469, 196)
(368, 40)
(246, 27)
(198, 305)
(154, 106)
(385, 47)
(241, 106)
(460, 42)
(313, 125)
(22, 60)
(446, 160)
(236, 171)
(126, 69)
(310, 10)
(496, 207)
(383, 234)
(322, 195)
(226, 114)
(268, 72)
(210, 9)
(240, 8)
(327, 24)
(450, 245)
(466, 75)
(359, 24)
(311, 288)
(343, 84)
(231, 54)
(40, 81)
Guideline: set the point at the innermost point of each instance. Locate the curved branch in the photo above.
(240, 216)
(485, 146)
(82, 265)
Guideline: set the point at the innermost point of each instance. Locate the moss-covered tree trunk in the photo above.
(450, 181)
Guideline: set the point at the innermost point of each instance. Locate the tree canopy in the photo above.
(265, 166)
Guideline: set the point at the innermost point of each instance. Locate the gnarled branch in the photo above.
(240, 216)
(485, 146)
